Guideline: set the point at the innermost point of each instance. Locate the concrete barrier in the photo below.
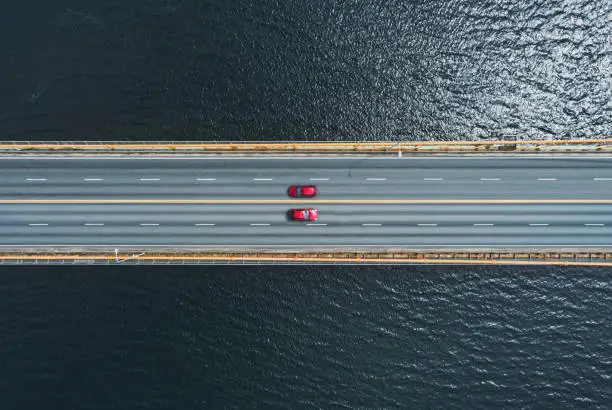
(572, 145)
(603, 259)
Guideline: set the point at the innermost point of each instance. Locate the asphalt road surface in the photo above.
(366, 202)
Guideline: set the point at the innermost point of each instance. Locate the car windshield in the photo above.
(306, 214)
(298, 191)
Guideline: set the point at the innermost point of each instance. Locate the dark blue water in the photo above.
(305, 337)
(299, 337)
(320, 69)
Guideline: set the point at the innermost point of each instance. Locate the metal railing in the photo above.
(389, 141)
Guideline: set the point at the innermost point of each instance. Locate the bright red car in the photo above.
(308, 214)
(302, 191)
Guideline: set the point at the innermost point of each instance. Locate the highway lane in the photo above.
(338, 178)
(262, 226)
(246, 223)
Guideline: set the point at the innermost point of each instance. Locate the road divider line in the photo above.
(318, 179)
(204, 224)
(594, 224)
(484, 224)
(433, 179)
(312, 201)
(93, 179)
(259, 224)
(263, 179)
(36, 179)
(602, 179)
(206, 179)
(371, 224)
(427, 224)
(490, 179)
(376, 179)
(149, 179)
(316, 224)
(94, 224)
(538, 224)
(547, 179)
(149, 224)
(38, 224)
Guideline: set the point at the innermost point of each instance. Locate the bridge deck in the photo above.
(367, 203)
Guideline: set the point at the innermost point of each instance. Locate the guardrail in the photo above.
(506, 140)
(141, 257)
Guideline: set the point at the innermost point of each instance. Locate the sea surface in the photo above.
(305, 337)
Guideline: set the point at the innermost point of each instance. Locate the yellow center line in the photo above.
(302, 202)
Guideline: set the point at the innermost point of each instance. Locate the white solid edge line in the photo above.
(484, 224)
(149, 224)
(376, 179)
(149, 179)
(94, 224)
(206, 179)
(38, 224)
(318, 179)
(36, 179)
(433, 179)
(93, 179)
(490, 179)
(258, 246)
(259, 224)
(427, 224)
(204, 224)
(594, 224)
(547, 179)
(538, 224)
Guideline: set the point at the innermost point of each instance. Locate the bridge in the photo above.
(61, 200)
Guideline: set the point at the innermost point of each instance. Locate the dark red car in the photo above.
(308, 214)
(302, 191)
